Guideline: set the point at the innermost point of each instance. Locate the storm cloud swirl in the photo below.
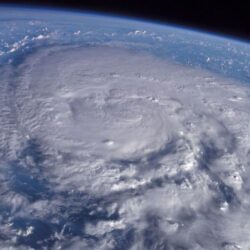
(109, 148)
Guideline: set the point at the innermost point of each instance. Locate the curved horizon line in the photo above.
(110, 14)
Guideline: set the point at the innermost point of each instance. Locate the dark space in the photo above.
(230, 18)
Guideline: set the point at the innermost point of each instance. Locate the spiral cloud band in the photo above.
(110, 148)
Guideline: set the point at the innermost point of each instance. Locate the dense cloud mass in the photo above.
(109, 148)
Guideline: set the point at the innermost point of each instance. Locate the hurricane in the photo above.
(121, 134)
